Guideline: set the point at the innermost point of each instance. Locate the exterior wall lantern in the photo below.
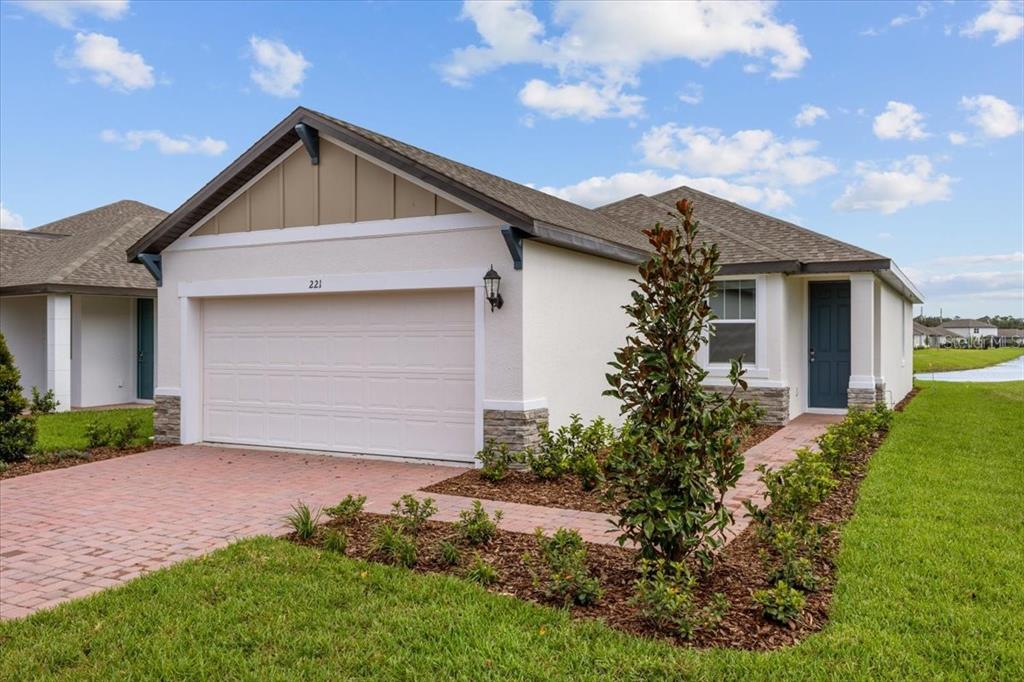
(492, 288)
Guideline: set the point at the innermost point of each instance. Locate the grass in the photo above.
(950, 359)
(931, 578)
(66, 430)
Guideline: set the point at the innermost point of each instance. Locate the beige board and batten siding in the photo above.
(342, 188)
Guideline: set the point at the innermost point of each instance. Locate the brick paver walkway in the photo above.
(70, 532)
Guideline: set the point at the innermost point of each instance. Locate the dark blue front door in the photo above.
(144, 368)
(828, 344)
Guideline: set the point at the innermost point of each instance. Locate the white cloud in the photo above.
(278, 69)
(607, 44)
(1014, 257)
(992, 116)
(66, 13)
(9, 220)
(693, 93)
(109, 64)
(809, 115)
(1003, 18)
(908, 182)
(755, 156)
(921, 11)
(900, 121)
(580, 100)
(165, 144)
(957, 138)
(963, 284)
(599, 190)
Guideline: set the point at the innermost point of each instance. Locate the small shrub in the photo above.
(303, 521)
(550, 462)
(496, 460)
(348, 509)
(4, 466)
(562, 574)
(17, 433)
(412, 513)
(448, 554)
(883, 417)
(794, 489)
(335, 540)
(664, 595)
(791, 544)
(588, 469)
(43, 403)
(126, 434)
(58, 456)
(781, 603)
(481, 572)
(475, 526)
(393, 546)
(97, 434)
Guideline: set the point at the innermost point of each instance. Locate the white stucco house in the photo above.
(971, 329)
(327, 291)
(78, 318)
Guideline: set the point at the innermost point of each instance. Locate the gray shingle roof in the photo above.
(964, 323)
(83, 250)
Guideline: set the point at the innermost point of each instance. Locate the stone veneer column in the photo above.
(58, 348)
(861, 391)
(167, 419)
(519, 429)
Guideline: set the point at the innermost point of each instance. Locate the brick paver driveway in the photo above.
(70, 532)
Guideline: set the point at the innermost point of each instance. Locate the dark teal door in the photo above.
(144, 371)
(828, 344)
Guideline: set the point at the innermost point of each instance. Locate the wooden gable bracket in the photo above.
(311, 141)
(153, 263)
(514, 240)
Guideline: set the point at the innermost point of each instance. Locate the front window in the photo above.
(733, 332)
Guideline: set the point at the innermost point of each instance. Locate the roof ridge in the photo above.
(88, 211)
(98, 246)
(738, 237)
(805, 230)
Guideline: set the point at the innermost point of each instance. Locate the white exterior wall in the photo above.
(103, 352)
(968, 332)
(453, 242)
(794, 369)
(573, 324)
(23, 324)
(58, 349)
(896, 352)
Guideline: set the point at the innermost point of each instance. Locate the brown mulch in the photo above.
(566, 493)
(737, 573)
(46, 462)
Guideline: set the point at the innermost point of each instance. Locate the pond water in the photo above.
(1007, 371)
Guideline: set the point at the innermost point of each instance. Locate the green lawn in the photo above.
(931, 586)
(949, 359)
(66, 430)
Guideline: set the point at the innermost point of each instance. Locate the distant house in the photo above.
(971, 329)
(1010, 337)
(921, 335)
(932, 337)
(78, 317)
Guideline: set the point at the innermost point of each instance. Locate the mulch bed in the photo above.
(738, 572)
(566, 493)
(46, 462)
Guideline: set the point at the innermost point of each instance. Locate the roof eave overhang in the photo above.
(83, 289)
(575, 241)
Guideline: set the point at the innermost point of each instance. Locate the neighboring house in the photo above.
(971, 329)
(77, 316)
(1010, 337)
(327, 291)
(921, 335)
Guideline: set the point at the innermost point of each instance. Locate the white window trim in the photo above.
(758, 370)
(191, 294)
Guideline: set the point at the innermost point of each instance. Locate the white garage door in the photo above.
(382, 373)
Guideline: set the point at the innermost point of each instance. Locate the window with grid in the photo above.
(734, 331)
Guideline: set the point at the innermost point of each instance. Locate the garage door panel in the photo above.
(388, 374)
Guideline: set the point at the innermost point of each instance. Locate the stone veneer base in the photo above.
(519, 429)
(861, 397)
(167, 419)
(774, 402)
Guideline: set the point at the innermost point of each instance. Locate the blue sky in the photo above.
(895, 126)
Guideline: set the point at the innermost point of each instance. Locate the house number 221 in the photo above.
(316, 284)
